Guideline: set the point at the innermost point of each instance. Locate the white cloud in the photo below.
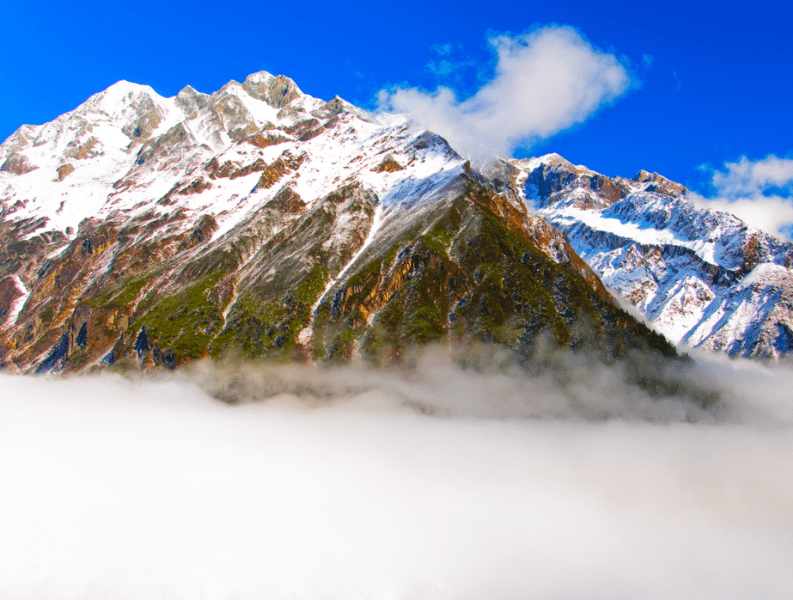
(743, 190)
(334, 488)
(770, 214)
(446, 67)
(545, 82)
(751, 177)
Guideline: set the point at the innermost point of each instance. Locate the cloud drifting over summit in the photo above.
(545, 81)
(756, 191)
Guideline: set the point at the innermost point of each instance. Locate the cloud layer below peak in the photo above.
(438, 482)
(545, 81)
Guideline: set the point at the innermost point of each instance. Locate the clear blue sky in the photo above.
(719, 84)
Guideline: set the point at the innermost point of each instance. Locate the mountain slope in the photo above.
(701, 277)
(261, 222)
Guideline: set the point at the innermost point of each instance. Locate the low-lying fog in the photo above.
(430, 482)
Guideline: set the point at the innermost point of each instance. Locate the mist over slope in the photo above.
(487, 382)
(437, 481)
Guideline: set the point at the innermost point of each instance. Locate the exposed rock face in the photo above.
(83, 151)
(147, 119)
(660, 184)
(335, 106)
(164, 144)
(191, 101)
(389, 165)
(65, 170)
(277, 91)
(18, 165)
(261, 222)
(702, 277)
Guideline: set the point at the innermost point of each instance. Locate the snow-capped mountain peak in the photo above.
(263, 219)
(702, 277)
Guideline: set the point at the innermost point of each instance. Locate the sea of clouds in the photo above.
(449, 478)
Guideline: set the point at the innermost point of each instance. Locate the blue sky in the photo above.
(710, 84)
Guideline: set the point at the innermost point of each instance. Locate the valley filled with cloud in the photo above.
(433, 481)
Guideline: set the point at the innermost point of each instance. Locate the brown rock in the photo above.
(8, 293)
(261, 140)
(659, 183)
(287, 201)
(285, 164)
(195, 187)
(388, 164)
(18, 165)
(278, 91)
(65, 170)
(83, 151)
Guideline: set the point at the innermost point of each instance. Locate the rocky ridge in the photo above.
(701, 277)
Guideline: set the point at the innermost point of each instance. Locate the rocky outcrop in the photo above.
(660, 184)
(264, 139)
(146, 120)
(65, 170)
(9, 294)
(82, 151)
(388, 165)
(18, 165)
(163, 144)
(277, 91)
(191, 101)
(285, 164)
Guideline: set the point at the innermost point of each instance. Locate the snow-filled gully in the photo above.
(307, 334)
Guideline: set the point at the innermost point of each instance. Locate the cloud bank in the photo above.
(545, 82)
(757, 192)
(336, 485)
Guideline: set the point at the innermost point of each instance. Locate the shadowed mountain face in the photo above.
(263, 223)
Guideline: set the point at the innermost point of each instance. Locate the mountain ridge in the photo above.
(702, 277)
(263, 222)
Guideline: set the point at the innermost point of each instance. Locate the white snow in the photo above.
(306, 334)
(17, 304)
(642, 233)
(766, 274)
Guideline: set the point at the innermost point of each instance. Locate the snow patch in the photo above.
(18, 303)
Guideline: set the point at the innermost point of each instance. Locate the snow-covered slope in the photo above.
(701, 277)
(126, 148)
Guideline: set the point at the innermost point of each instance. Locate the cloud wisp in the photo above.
(756, 191)
(445, 66)
(335, 484)
(545, 81)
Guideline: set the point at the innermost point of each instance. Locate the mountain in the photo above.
(260, 222)
(701, 277)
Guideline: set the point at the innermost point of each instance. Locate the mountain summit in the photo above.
(260, 222)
